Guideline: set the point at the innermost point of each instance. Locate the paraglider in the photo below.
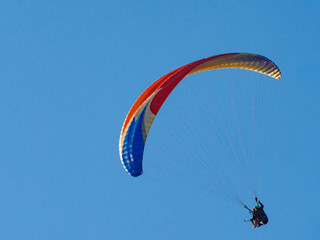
(138, 121)
(259, 217)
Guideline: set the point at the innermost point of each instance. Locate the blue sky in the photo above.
(70, 71)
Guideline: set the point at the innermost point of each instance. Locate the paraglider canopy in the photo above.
(141, 115)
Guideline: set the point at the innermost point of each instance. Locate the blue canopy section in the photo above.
(133, 146)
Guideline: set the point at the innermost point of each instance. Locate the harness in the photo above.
(261, 216)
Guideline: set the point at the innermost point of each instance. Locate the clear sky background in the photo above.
(70, 71)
